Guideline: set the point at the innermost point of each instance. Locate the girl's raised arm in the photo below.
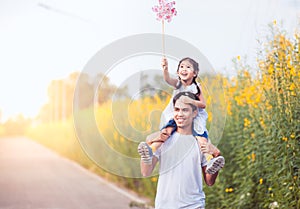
(167, 78)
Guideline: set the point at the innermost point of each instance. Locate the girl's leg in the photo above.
(156, 139)
(212, 154)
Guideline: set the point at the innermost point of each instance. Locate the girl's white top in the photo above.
(168, 113)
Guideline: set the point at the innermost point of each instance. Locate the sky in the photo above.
(43, 40)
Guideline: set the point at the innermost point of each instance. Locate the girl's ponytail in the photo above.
(198, 88)
(179, 84)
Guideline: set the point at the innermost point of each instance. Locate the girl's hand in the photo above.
(164, 63)
(188, 100)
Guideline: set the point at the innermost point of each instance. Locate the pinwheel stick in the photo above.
(163, 37)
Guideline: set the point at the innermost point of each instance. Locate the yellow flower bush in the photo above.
(265, 107)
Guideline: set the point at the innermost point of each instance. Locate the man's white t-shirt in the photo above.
(180, 173)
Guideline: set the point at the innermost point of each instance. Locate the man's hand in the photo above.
(145, 152)
(207, 147)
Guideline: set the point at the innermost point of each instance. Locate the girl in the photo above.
(187, 72)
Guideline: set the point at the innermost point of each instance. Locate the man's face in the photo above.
(183, 114)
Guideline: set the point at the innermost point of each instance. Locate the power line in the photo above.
(61, 12)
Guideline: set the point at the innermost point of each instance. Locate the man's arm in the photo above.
(148, 161)
(209, 179)
(146, 169)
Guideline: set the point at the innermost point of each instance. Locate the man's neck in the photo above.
(184, 131)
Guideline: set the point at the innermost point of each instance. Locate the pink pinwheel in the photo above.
(165, 10)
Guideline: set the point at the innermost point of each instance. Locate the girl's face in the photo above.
(186, 71)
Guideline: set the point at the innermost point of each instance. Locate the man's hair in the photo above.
(188, 94)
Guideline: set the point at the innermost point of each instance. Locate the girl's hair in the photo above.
(196, 69)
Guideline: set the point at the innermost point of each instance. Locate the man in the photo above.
(182, 164)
